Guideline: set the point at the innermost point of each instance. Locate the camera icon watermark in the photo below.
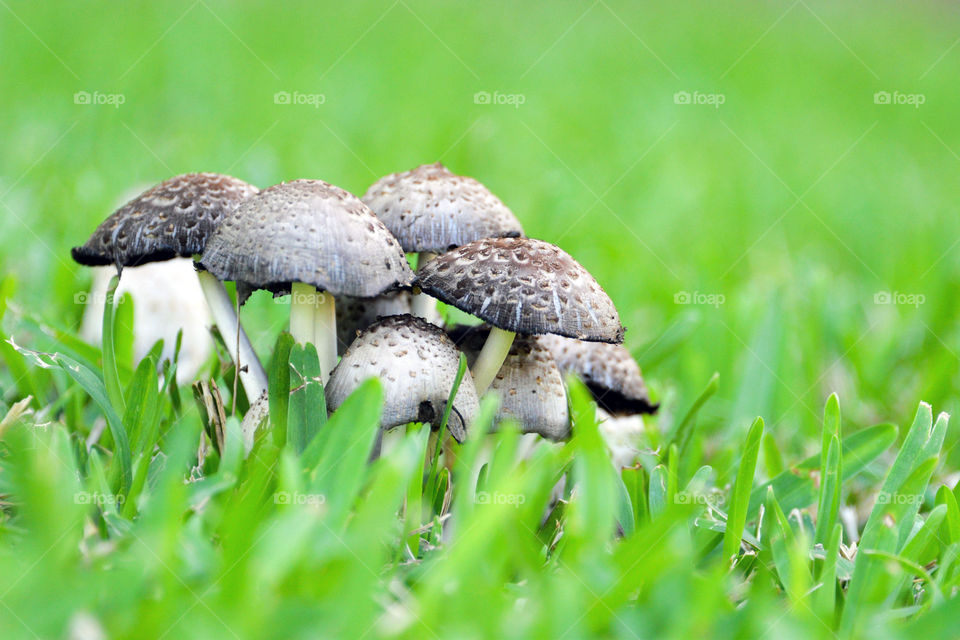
(297, 98)
(897, 298)
(97, 98)
(495, 497)
(509, 99)
(897, 98)
(91, 297)
(295, 497)
(697, 298)
(699, 98)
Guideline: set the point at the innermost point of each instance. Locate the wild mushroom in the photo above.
(356, 314)
(528, 383)
(417, 364)
(520, 285)
(431, 210)
(176, 218)
(305, 236)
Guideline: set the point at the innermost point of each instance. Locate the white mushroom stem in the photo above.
(251, 372)
(491, 358)
(423, 305)
(325, 333)
(302, 304)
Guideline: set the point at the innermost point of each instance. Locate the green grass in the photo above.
(788, 209)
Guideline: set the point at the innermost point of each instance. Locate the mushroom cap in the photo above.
(356, 314)
(307, 231)
(529, 383)
(608, 370)
(431, 209)
(525, 286)
(417, 364)
(174, 218)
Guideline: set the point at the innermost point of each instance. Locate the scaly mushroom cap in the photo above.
(356, 314)
(525, 286)
(529, 383)
(608, 370)
(174, 218)
(307, 231)
(417, 364)
(431, 209)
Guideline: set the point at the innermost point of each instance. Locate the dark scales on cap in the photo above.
(608, 370)
(174, 218)
(525, 286)
(431, 209)
(307, 231)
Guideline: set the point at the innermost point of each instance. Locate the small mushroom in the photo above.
(609, 371)
(356, 314)
(176, 218)
(528, 383)
(520, 285)
(417, 364)
(308, 235)
(431, 210)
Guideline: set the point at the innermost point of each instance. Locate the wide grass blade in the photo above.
(737, 515)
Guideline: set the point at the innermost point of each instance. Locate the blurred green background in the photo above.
(789, 215)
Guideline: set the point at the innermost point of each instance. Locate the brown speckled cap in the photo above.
(307, 231)
(431, 209)
(174, 218)
(608, 370)
(529, 383)
(525, 286)
(417, 364)
(356, 314)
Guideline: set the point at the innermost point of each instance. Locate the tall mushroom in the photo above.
(520, 285)
(417, 364)
(177, 218)
(304, 236)
(431, 210)
(528, 383)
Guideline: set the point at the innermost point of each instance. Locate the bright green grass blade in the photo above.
(307, 411)
(111, 376)
(442, 427)
(123, 334)
(413, 508)
(772, 458)
(684, 431)
(829, 503)
(924, 546)
(737, 516)
(825, 597)
(142, 416)
(279, 386)
(951, 528)
(658, 490)
(635, 481)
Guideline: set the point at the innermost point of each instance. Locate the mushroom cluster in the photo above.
(345, 262)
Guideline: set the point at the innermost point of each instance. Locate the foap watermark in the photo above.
(897, 298)
(295, 497)
(495, 497)
(899, 498)
(696, 297)
(297, 99)
(509, 99)
(704, 499)
(896, 97)
(98, 98)
(698, 97)
(300, 297)
(98, 499)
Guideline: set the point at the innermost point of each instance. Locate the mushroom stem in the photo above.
(302, 305)
(251, 372)
(491, 357)
(325, 333)
(422, 305)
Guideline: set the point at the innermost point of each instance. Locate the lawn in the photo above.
(766, 191)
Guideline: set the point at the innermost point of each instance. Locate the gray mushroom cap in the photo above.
(356, 314)
(174, 218)
(608, 370)
(529, 383)
(307, 231)
(417, 364)
(525, 286)
(431, 209)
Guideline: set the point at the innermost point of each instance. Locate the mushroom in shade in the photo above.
(176, 218)
(305, 236)
(528, 383)
(356, 314)
(609, 371)
(417, 364)
(520, 285)
(431, 210)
